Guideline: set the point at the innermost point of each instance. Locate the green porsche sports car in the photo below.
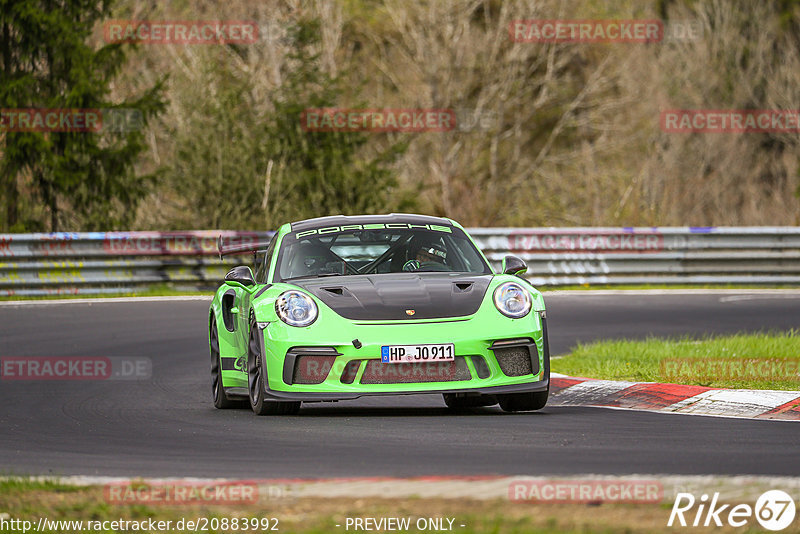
(341, 307)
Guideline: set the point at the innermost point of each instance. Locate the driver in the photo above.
(428, 256)
(311, 259)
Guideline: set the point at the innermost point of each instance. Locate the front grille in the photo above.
(515, 361)
(377, 372)
(516, 357)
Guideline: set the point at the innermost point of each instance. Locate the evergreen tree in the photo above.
(235, 169)
(324, 171)
(83, 179)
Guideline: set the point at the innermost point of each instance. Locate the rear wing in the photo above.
(242, 244)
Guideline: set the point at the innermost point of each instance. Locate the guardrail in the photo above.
(115, 262)
(667, 255)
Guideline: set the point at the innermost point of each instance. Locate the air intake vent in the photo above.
(228, 300)
(338, 291)
(308, 365)
(517, 357)
(312, 369)
(463, 287)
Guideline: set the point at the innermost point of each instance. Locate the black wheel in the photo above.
(221, 401)
(255, 381)
(524, 402)
(461, 401)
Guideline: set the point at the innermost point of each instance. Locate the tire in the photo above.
(255, 381)
(526, 402)
(460, 401)
(221, 401)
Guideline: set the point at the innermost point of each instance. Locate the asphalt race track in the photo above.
(166, 426)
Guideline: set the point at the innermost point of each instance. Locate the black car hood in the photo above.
(395, 296)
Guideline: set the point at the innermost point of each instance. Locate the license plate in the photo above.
(418, 353)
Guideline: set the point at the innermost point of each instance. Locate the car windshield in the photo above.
(336, 251)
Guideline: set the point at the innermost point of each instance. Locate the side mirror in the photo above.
(513, 265)
(241, 276)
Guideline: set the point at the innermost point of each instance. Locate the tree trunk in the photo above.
(11, 196)
(10, 193)
(53, 213)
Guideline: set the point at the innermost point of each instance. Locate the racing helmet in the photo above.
(432, 250)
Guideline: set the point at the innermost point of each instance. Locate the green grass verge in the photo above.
(752, 361)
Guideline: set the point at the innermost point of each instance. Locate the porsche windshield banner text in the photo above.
(374, 226)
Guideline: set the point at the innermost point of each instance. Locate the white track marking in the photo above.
(733, 402)
(769, 296)
(589, 392)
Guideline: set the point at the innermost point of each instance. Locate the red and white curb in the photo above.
(675, 398)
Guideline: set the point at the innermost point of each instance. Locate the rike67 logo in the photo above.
(774, 510)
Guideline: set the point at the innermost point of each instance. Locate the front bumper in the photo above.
(529, 387)
(475, 340)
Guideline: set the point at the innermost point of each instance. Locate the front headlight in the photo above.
(296, 309)
(512, 300)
